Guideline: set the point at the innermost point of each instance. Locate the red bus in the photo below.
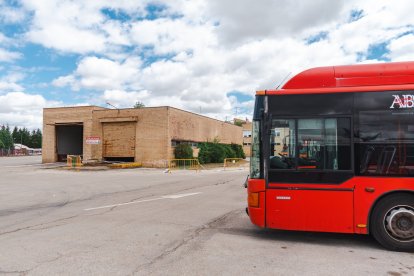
(333, 151)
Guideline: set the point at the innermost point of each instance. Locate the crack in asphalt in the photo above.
(223, 182)
(19, 272)
(195, 233)
(179, 191)
(31, 208)
(25, 272)
(34, 207)
(37, 225)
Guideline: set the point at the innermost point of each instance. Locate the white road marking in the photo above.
(180, 195)
(144, 200)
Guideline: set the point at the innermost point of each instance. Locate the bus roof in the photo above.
(350, 78)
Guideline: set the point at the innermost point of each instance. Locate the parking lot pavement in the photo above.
(147, 222)
(20, 161)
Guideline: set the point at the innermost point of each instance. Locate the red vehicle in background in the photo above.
(333, 151)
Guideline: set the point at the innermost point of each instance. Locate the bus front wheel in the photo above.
(392, 222)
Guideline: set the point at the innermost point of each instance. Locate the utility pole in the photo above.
(237, 108)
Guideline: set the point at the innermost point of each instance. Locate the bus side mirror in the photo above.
(247, 181)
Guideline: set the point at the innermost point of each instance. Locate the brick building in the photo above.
(147, 135)
(247, 135)
(247, 138)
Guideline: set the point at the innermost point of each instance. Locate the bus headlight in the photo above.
(253, 199)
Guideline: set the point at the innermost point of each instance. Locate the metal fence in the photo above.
(184, 164)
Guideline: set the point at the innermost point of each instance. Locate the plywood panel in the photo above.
(119, 139)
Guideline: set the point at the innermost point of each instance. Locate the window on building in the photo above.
(247, 133)
(176, 142)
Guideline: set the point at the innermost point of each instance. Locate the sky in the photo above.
(203, 56)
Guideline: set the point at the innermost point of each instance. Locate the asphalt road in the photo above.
(147, 222)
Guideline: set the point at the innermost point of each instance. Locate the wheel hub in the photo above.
(399, 223)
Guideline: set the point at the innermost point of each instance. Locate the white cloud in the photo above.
(9, 81)
(68, 26)
(10, 14)
(77, 26)
(401, 49)
(23, 110)
(10, 86)
(102, 74)
(191, 60)
(4, 39)
(66, 81)
(173, 35)
(166, 77)
(9, 56)
(68, 39)
(245, 20)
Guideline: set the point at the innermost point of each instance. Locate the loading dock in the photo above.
(69, 140)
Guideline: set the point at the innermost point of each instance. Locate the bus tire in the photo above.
(392, 222)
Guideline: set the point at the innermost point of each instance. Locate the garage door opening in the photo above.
(69, 141)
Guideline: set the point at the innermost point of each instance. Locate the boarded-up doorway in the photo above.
(119, 141)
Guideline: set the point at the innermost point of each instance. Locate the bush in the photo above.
(183, 151)
(215, 152)
(204, 155)
(238, 149)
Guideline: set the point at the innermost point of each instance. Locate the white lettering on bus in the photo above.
(283, 197)
(406, 101)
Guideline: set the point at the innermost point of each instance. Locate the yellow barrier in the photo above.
(229, 162)
(125, 165)
(74, 160)
(183, 164)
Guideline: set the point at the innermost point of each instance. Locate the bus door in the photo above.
(310, 163)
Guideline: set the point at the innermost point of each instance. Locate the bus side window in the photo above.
(282, 144)
(311, 143)
(385, 143)
(338, 144)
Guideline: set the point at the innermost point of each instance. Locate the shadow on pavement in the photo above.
(239, 224)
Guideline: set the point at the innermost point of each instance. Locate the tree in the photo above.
(139, 105)
(24, 135)
(183, 151)
(15, 135)
(238, 123)
(32, 139)
(36, 139)
(6, 138)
